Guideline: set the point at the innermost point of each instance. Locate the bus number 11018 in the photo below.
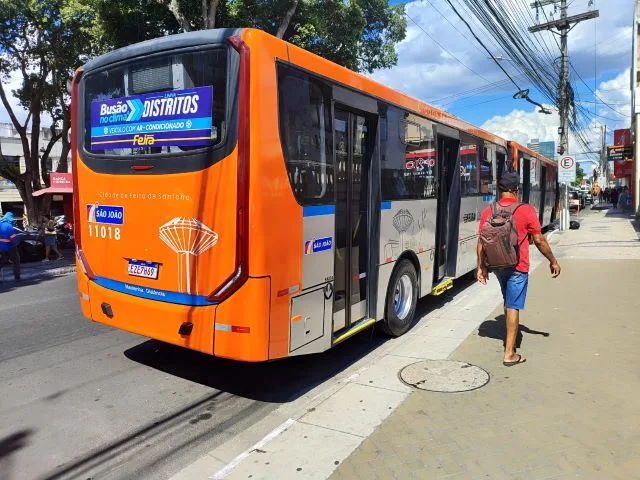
(102, 231)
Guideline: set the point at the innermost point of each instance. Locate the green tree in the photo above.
(41, 42)
(579, 176)
(359, 34)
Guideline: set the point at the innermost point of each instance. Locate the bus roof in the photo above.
(310, 62)
(362, 83)
(169, 42)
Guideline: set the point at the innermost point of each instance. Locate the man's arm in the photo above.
(544, 248)
(482, 273)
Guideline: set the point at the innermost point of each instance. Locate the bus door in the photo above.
(448, 204)
(544, 196)
(354, 135)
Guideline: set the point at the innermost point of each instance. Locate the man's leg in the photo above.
(15, 259)
(4, 259)
(512, 320)
(515, 297)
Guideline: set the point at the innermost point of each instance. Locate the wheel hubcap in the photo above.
(403, 297)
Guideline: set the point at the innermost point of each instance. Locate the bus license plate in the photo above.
(143, 269)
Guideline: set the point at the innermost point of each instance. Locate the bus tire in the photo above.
(402, 297)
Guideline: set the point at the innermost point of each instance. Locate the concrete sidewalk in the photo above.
(394, 432)
(570, 411)
(38, 270)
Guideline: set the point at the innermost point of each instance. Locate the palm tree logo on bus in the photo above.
(187, 237)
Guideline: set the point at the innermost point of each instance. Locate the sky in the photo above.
(440, 62)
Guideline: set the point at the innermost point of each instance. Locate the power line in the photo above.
(443, 48)
(595, 94)
(482, 103)
(454, 27)
(475, 91)
(483, 45)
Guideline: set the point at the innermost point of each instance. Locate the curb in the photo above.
(25, 274)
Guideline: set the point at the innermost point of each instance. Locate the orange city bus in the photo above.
(240, 196)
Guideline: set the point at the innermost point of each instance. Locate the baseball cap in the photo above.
(509, 182)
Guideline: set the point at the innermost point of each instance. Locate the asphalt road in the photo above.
(81, 400)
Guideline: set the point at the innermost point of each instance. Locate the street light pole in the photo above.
(563, 26)
(564, 107)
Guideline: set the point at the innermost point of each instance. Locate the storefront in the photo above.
(61, 190)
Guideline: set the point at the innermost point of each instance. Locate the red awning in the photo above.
(53, 190)
(60, 183)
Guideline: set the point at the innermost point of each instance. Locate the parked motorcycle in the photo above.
(64, 236)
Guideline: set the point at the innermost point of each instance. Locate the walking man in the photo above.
(514, 279)
(9, 239)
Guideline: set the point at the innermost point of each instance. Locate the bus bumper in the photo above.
(237, 329)
(158, 320)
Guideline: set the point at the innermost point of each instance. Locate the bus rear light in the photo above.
(75, 98)
(141, 168)
(223, 327)
(77, 212)
(238, 329)
(84, 265)
(241, 273)
(288, 291)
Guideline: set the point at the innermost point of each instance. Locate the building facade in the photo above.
(548, 149)
(635, 106)
(10, 200)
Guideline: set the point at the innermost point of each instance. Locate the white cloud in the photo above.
(522, 125)
(427, 72)
(12, 83)
(9, 85)
(617, 94)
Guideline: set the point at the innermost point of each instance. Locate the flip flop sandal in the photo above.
(520, 359)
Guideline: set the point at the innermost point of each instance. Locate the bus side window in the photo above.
(486, 172)
(501, 159)
(306, 136)
(469, 178)
(408, 157)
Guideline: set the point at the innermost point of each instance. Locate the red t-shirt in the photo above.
(527, 222)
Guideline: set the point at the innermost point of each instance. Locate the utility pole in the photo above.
(562, 27)
(604, 161)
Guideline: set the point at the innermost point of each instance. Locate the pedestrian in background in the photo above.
(614, 197)
(622, 199)
(9, 240)
(514, 280)
(50, 238)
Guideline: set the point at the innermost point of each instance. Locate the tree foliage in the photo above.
(579, 175)
(360, 34)
(41, 42)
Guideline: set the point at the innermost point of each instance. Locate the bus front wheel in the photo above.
(402, 297)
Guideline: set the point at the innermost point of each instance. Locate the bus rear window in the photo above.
(160, 105)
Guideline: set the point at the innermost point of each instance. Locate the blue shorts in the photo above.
(514, 287)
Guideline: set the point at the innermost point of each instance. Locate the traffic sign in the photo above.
(567, 169)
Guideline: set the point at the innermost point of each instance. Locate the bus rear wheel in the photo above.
(402, 297)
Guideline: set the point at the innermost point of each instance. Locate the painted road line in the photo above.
(227, 469)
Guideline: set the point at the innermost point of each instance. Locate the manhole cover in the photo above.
(447, 376)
